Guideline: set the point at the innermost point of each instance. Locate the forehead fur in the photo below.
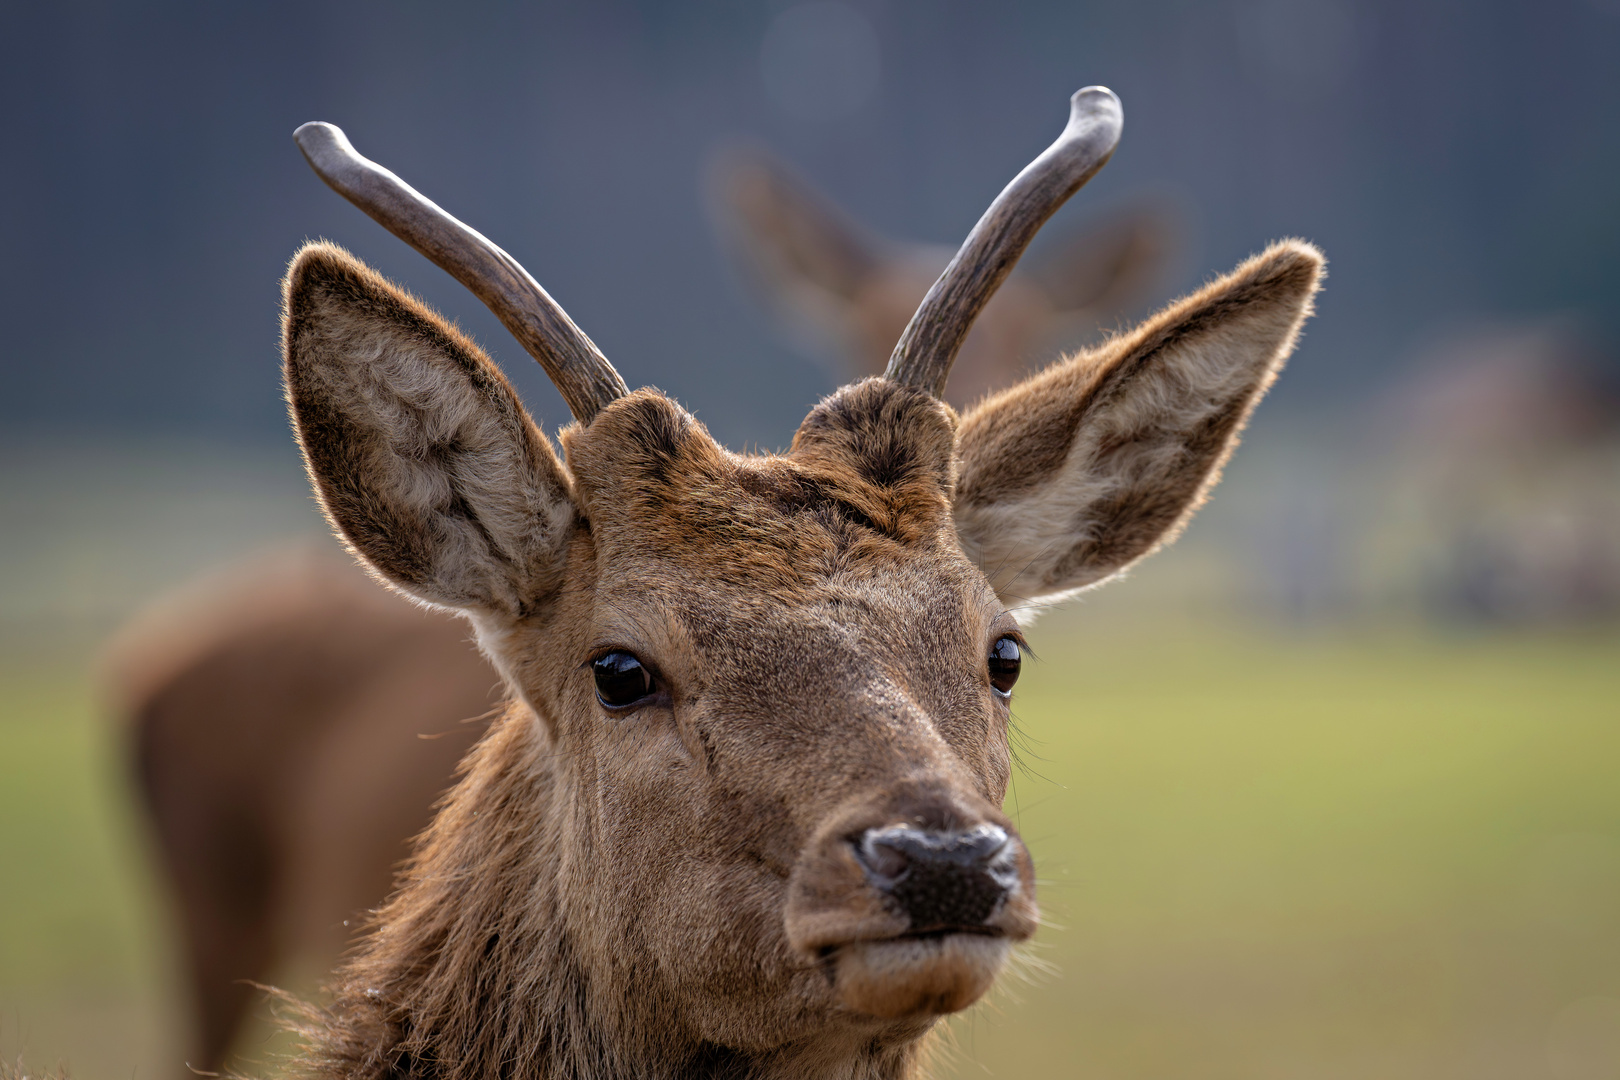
(870, 468)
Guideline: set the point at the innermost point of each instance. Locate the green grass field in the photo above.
(84, 976)
(1343, 855)
(1318, 854)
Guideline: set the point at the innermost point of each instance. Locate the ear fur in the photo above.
(420, 453)
(1072, 475)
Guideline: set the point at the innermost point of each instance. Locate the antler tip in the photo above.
(931, 340)
(1095, 97)
(318, 133)
(1098, 109)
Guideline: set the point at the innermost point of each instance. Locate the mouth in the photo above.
(920, 974)
(927, 933)
(910, 923)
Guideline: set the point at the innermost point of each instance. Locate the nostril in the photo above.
(982, 844)
(881, 854)
(890, 853)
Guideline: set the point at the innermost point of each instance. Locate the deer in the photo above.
(845, 291)
(292, 723)
(742, 813)
(289, 725)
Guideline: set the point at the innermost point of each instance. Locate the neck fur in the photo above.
(474, 969)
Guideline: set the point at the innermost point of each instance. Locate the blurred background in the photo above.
(1330, 789)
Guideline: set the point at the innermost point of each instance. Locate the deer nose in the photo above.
(941, 880)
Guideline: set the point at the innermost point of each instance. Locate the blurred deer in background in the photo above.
(844, 290)
(1502, 448)
(291, 725)
(280, 822)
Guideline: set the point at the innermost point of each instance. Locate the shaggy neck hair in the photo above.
(474, 969)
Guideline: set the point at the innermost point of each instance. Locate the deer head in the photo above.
(847, 292)
(743, 816)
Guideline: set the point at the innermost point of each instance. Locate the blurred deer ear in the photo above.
(421, 455)
(1107, 269)
(1077, 472)
(807, 256)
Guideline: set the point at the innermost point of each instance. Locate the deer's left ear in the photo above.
(1072, 475)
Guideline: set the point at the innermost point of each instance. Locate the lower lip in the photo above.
(918, 976)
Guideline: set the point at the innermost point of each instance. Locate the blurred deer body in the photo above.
(1503, 452)
(741, 815)
(291, 724)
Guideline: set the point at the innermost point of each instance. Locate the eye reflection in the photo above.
(1006, 660)
(621, 679)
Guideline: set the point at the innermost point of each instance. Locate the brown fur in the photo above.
(291, 725)
(296, 696)
(1073, 475)
(671, 891)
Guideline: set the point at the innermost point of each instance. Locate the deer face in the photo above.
(752, 788)
(815, 753)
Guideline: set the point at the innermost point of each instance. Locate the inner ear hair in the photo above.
(423, 459)
(1081, 470)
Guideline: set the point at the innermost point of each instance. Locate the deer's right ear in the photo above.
(421, 455)
(1072, 475)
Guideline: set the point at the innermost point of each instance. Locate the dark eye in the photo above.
(1005, 661)
(621, 679)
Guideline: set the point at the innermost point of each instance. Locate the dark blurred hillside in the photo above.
(1456, 158)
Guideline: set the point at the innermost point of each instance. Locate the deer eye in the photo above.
(1006, 658)
(621, 679)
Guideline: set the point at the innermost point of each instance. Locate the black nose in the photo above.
(941, 880)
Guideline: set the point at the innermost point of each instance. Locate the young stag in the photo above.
(742, 815)
(292, 724)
